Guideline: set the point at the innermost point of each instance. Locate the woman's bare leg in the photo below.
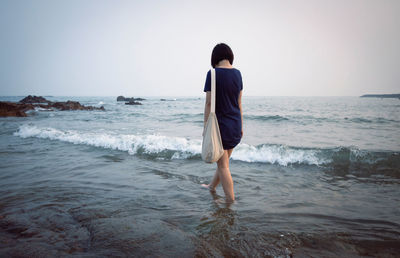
(214, 183)
(224, 175)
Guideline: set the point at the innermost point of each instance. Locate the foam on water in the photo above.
(168, 147)
(280, 154)
(150, 144)
(174, 147)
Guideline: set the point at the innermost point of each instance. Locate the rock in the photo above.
(69, 105)
(122, 98)
(18, 109)
(132, 102)
(14, 109)
(72, 105)
(34, 99)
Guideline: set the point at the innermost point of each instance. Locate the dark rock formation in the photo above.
(34, 99)
(19, 109)
(14, 109)
(381, 96)
(132, 102)
(73, 105)
(122, 98)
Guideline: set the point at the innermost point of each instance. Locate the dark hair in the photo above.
(220, 52)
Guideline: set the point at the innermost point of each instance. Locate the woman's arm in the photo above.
(240, 107)
(207, 108)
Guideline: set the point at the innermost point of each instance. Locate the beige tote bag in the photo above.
(212, 149)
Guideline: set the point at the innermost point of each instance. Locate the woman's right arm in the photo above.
(240, 107)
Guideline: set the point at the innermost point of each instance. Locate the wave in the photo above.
(266, 118)
(167, 147)
(378, 120)
(133, 144)
(310, 118)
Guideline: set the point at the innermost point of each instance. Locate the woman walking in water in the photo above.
(228, 109)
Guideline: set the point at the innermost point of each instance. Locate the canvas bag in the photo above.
(212, 149)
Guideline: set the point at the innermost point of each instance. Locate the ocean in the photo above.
(313, 177)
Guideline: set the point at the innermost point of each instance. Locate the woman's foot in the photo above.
(208, 187)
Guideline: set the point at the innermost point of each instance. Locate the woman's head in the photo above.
(220, 52)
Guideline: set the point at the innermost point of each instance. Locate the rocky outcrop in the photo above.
(19, 109)
(14, 109)
(132, 102)
(34, 99)
(72, 105)
(122, 98)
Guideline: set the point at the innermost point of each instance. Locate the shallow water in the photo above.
(126, 182)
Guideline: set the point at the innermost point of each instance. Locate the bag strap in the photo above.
(213, 90)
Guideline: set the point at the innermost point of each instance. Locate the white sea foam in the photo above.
(178, 147)
(150, 144)
(280, 154)
(43, 109)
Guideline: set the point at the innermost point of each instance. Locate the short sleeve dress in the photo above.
(228, 86)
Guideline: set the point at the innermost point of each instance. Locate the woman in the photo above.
(228, 109)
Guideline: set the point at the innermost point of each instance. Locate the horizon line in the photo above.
(183, 96)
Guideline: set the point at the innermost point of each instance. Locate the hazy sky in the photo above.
(163, 48)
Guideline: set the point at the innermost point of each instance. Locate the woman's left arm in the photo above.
(207, 108)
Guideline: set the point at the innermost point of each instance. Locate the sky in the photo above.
(163, 48)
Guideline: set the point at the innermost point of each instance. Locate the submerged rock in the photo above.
(138, 99)
(132, 102)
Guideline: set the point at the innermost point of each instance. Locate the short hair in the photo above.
(220, 52)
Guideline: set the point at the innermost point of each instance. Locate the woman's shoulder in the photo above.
(227, 71)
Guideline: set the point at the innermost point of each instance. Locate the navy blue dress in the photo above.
(228, 84)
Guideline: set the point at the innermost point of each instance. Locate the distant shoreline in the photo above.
(380, 96)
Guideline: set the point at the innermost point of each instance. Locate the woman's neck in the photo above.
(224, 64)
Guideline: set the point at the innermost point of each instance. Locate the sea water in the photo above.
(312, 176)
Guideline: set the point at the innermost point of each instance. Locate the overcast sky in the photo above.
(163, 48)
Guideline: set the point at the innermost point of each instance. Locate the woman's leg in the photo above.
(224, 175)
(214, 183)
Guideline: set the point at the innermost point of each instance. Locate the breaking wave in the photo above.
(167, 147)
